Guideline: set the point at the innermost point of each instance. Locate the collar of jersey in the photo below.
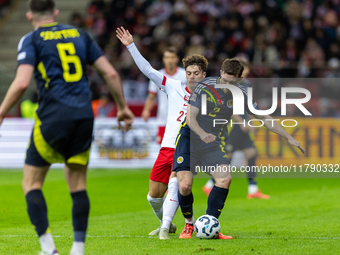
(50, 24)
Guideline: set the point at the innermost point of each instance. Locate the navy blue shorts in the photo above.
(192, 154)
(238, 140)
(60, 142)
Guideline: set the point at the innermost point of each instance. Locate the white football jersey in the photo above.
(177, 93)
(162, 110)
(178, 97)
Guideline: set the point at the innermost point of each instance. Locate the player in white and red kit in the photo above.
(171, 70)
(159, 177)
(178, 95)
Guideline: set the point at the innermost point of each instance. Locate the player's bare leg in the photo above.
(36, 206)
(219, 194)
(170, 207)
(186, 199)
(157, 189)
(253, 189)
(76, 179)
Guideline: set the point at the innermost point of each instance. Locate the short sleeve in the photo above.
(196, 98)
(26, 51)
(93, 50)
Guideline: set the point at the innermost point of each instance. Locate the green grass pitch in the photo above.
(302, 217)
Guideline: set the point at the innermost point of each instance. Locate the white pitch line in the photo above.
(136, 236)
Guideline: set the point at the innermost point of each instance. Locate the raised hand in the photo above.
(124, 36)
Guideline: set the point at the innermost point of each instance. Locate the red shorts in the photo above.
(160, 135)
(162, 168)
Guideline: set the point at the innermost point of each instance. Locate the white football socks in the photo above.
(171, 203)
(47, 243)
(192, 221)
(252, 188)
(157, 206)
(78, 248)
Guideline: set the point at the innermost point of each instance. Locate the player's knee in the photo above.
(185, 187)
(223, 182)
(157, 189)
(27, 185)
(156, 193)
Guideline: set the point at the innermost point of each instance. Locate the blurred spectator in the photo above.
(103, 107)
(4, 4)
(77, 20)
(294, 38)
(160, 10)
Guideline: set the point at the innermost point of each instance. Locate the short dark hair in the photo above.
(197, 60)
(171, 49)
(232, 66)
(41, 6)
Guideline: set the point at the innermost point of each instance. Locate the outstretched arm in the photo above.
(126, 38)
(275, 127)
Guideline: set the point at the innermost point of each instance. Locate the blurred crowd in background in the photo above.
(4, 4)
(281, 39)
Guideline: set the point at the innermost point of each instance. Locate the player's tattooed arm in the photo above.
(275, 127)
(126, 38)
(194, 126)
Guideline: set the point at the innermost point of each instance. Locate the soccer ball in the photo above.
(207, 227)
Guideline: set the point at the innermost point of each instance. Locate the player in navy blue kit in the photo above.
(57, 55)
(242, 138)
(201, 144)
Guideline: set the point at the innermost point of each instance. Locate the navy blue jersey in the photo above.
(60, 54)
(219, 106)
(246, 84)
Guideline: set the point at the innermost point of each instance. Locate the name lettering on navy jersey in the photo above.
(58, 35)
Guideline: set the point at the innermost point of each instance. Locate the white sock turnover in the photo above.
(78, 248)
(192, 221)
(157, 206)
(47, 243)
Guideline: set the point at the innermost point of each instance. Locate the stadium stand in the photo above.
(293, 39)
